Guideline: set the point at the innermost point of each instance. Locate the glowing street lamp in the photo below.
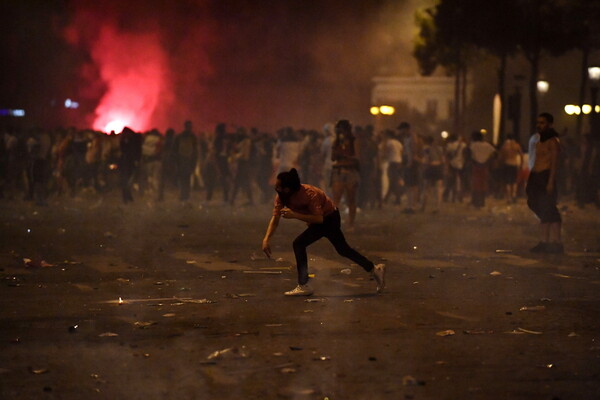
(572, 109)
(444, 134)
(374, 110)
(543, 87)
(387, 110)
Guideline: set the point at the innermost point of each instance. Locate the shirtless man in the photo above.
(311, 205)
(512, 162)
(541, 186)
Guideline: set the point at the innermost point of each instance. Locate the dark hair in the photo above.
(404, 125)
(290, 180)
(477, 136)
(547, 116)
(344, 124)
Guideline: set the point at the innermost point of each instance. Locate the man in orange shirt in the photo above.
(311, 205)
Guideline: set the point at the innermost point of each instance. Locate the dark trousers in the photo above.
(331, 229)
(539, 201)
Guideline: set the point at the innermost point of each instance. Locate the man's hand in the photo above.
(266, 247)
(287, 213)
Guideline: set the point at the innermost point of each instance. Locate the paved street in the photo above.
(468, 312)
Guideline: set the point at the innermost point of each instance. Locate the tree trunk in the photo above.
(502, 94)
(585, 53)
(534, 62)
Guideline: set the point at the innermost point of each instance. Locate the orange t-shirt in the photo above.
(307, 200)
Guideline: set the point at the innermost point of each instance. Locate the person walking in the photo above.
(310, 204)
(344, 175)
(541, 187)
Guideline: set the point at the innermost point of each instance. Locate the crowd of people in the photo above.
(357, 166)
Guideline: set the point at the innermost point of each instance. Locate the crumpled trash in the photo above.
(522, 331)
(288, 370)
(198, 301)
(477, 332)
(572, 334)
(169, 315)
(230, 352)
(144, 324)
(409, 380)
(495, 273)
(108, 334)
(238, 295)
(448, 332)
(38, 371)
(36, 263)
(502, 251)
(346, 271)
(532, 308)
(315, 300)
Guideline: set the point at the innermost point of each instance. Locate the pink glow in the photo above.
(133, 67)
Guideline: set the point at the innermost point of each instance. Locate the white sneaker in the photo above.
(379, 275)
(300, 290)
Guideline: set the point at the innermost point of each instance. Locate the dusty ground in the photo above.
(63, 334)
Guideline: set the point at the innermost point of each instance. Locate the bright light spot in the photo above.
(594, 73)
(571, 109)
(444, 134)
(71, 104)
(374, 110)
(483, 131)
(597, 109)
(115, 125)
(28, 230)
(586, 109)
(543, 86)
(68, 103)
(387, 110)
(18, 113)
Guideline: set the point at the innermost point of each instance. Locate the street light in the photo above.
(594, 75)
(543, 87)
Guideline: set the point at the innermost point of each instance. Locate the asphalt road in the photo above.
(203, 315)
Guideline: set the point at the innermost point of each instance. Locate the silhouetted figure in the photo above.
(186, 157)
(221, 148)
(131, 153)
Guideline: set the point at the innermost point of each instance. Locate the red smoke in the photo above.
(134, 69)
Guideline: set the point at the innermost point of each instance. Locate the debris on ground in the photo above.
(38, 371)
(322, 358)
(572, 334)
(108, 334)
(532, 308)
(315, 300)
(346, 271)
(169, 315)
(73, 328)
(238, 295)
(230, 352)
(295, 348)
(522, 331)
(409, 380)
(448, 332)
(263, 272)
(477, 332)
(36, 263)
(502, 251)
(495, 273)
(144, 324)
(198, 301)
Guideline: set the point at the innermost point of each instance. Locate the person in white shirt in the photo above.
(392, 157)
(481, 154)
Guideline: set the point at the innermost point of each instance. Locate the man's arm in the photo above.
(273, 224)
(308, 218)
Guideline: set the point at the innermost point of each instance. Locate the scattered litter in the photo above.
(546, 366)
(573, 334)
(495, 273)
(190, 262)
(315, 300)
(278, 354)
(545, 299)
(346, 271)
(198, 301)
(73, 328)
(159, 283)
(448, 332)
(108, 334)
(441, 362)
(144, 324)
(184, 289)
(415, 282)
(532, 308)
(36, 264)
(501, 251)
(311, 275)
(275, 268)
(169, 315)
(411, 381)
(230, 352)
(521, 331)
(309, 311)
(288, 370)
(122, 280)
(414, 247)
(280, 259)
(348, 300)
(323, 358)
(295, 348)
(560, 275)
(477, 332)
(273, 325)
(38, 371)
(263, 272)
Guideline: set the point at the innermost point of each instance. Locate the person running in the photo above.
(541, 186)
(311, 205)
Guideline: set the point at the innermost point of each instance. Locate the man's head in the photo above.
(544, 122)
(404, 129)
(343, 126)
(188, 125)
(287, 184)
